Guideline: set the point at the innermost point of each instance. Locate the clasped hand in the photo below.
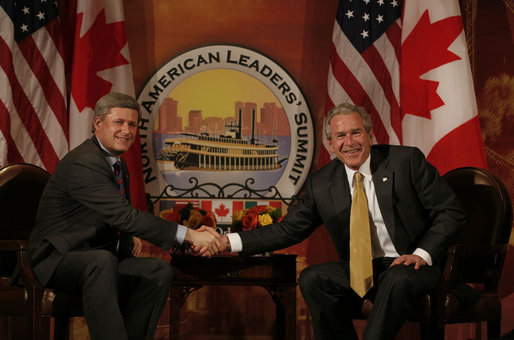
(205, 241)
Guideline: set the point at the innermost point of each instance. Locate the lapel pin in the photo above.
(384, 179)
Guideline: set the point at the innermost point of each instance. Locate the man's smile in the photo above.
(123, 139)
(349, 152)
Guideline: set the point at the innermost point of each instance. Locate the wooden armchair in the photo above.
(21, 186)
(477, 256)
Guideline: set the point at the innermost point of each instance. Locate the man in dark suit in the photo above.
(413, 215)
(84, 229)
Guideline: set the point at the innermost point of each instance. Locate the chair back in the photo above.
(21, 186)
(488, 222)
(487, 203)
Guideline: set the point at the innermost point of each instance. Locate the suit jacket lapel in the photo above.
(383, 179)
(340, 198)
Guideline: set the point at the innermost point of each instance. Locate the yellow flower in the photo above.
(165, 213)
(195, 219)
(265, 219)
(238, 215)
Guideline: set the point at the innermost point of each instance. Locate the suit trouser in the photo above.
(122, 299)
(332, 303)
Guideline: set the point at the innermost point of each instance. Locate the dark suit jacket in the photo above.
(81, 205)
(418, 207)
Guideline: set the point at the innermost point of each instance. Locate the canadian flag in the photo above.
(100, 64)
(439, 111)
(409, 67)
(223, 209)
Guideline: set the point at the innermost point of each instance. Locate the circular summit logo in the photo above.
(224, 121)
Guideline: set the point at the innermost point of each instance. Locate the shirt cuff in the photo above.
(181, 234)
(424, 255)
(236, 244)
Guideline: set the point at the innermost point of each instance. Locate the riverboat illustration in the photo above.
(225, 152)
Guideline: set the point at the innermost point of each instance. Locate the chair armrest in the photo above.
(12, 245)
(458, 253)
(24, 269)
(473, 250)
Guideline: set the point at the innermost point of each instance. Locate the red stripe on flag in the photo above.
(13, 155)
(54, 30)
(452, 151)
(394, 34)
(329, 105)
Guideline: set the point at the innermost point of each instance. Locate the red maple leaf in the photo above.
(98, 50)
(425, 49)
(221, 211)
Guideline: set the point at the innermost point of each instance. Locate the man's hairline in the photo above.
(109, 112)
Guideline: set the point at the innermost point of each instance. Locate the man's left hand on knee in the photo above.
(407, 260)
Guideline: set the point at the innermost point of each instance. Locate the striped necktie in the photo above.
(361, 267)
(118, 175)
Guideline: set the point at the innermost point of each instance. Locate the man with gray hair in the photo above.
(84, 228)
(390, 217)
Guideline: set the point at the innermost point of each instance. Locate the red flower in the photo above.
(174, 216)
(259, 209)
(250, 221)
(208, 220)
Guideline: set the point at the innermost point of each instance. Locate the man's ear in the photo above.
(96, 122)
(330, 145)
(371, 136)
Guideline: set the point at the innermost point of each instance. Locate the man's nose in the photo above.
(348, 139)
(125, 128)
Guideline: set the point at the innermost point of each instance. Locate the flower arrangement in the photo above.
(256, 217)
(189, 216)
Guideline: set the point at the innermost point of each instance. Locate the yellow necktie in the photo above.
(361, 267)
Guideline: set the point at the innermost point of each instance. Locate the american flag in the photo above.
(364, 63)
(33, 115)
(406, 63)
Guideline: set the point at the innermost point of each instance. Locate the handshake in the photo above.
(206, 241)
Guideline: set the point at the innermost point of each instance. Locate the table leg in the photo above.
(285, 304)
(177, 298)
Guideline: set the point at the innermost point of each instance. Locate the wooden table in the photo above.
(276, 273)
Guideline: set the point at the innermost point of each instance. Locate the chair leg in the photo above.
(17, 327)
(62, 328)
(431, 330)
(493, 329)
(40, 329)
(478, 330)
(424, 330)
